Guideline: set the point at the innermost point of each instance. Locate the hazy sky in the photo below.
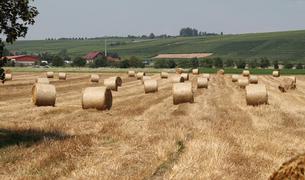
(92, 18)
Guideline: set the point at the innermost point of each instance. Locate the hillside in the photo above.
(288, 45)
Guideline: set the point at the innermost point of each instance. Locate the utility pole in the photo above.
(106, 47)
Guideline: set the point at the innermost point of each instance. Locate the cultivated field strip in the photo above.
(144, 136)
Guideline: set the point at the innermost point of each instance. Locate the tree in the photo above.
(195, 62)
(299, 66)
(188, 32)
(218, 62)
(241, 64)
(253, 63)
(275, 64)
(152, 36)
(100, 62)
(79, 62)
(136, 62)
(58, 61)
(229, 63)
(264, 63)
(288, 65)
(64, 54)
(15, 17)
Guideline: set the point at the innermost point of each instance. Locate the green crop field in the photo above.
(282, 46)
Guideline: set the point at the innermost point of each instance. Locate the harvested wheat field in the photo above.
(145, 136)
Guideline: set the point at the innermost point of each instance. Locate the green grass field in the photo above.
(282, 46)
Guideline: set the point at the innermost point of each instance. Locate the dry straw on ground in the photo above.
(243, 82)
(95, 78)
(8, 77)
(293, 78)
(294, 169)
(253, 79)
(50, 74)
(150, 86)
(235, 77)
(177, 79)
(44, 94)
(140, 75)
(164, 75)
(202, 82)
(246, 73)
(183, 93)
(287, 84)
(185, 76)
(113, 83)
(256, 94)
(131, 74)
(99, 98)
(195, 71)
(208, 76)
(276, 73)
(62, 76)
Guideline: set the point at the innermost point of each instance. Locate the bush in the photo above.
(136, 62)
(79, 62)
(299, 66)
(208, 63)
(195, 63)
(241, 64)
(229, 63)
(288, 65)
(218, 63)
(253, 63)
(264, 63)
(58, 61)
(100, 62)
(275, 64)
(165, 63)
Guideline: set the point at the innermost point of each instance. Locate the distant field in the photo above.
(277, 45)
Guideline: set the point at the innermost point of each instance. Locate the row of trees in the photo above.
(220, 63)
(194, 32)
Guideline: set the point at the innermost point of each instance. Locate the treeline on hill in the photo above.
(221, 63)
(185, 32)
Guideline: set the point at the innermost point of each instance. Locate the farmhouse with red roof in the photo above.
(91, 56)
(23, 60)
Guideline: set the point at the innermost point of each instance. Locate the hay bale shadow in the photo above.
(28, 137)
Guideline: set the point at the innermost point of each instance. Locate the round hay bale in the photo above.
(179, 70)
(177, 79)
(8, 77)
(195, 71)
(62, 76)
(235, 77)
(183, 93)
(287, 84)
(144, 78)
(42, 81)
(164, 75)
(292, 169)
(8, 71)
(113, 83)
(99, 98)
(140, 75)
(150, 86)
(276, 74)
(44, 94)
(256, 94)
(221, 72)
(243, 82)
(95, 78)
(246, 73)
(202, 82)
(293, 78)
(131, 74)
(253, 79)
(185, 76)
(50, 74)
(208, 76)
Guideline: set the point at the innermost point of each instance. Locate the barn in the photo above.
(24, 60)
(91, 56)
